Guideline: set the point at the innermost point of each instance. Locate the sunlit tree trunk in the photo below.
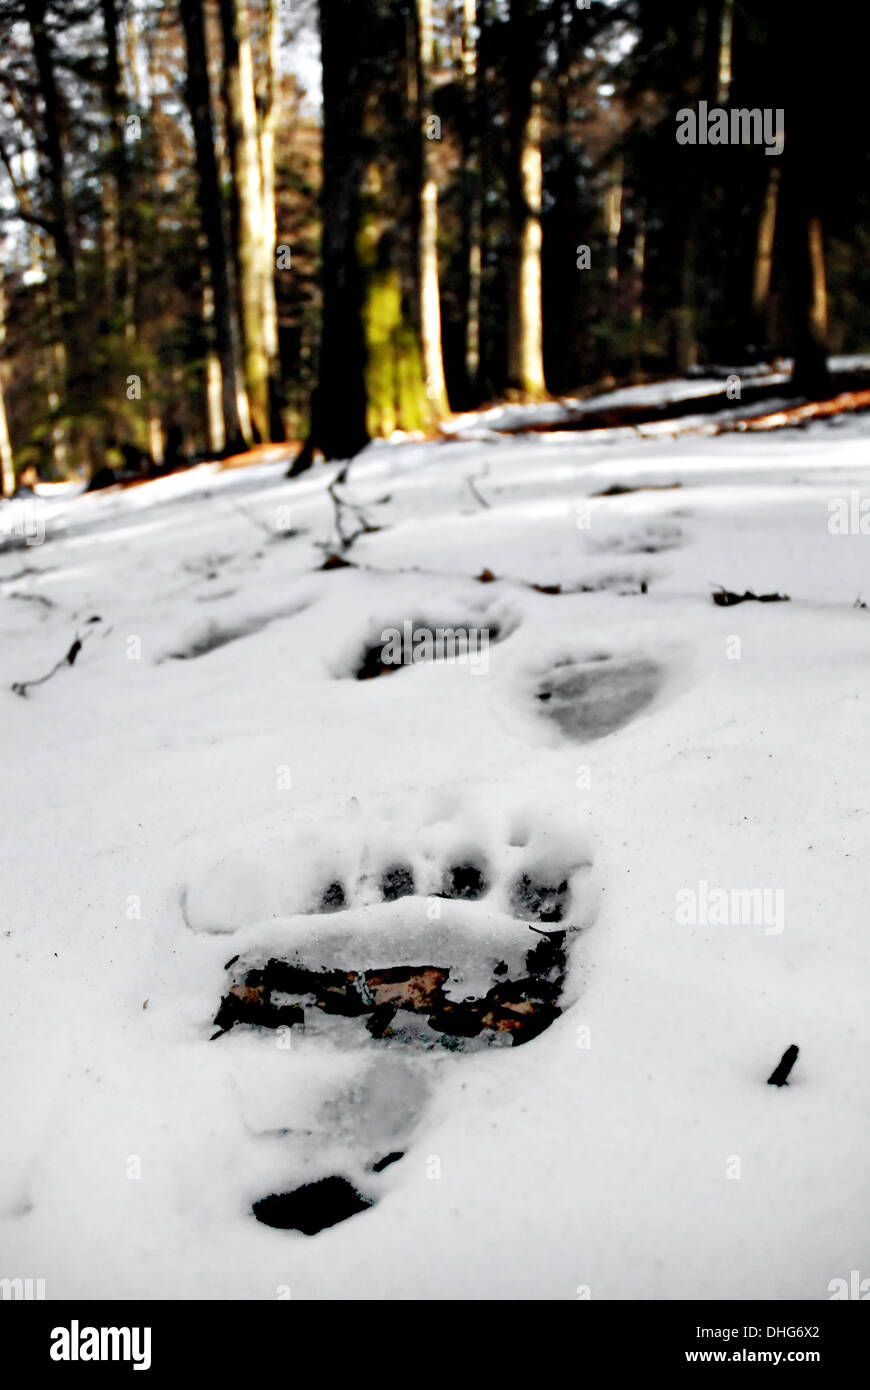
(214, 419)
(268, 118)
(613, 220)
(726, 41)
(430, 296)
(763, 264)
(243, 140)
(526, 361)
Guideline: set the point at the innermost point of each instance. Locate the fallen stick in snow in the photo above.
(341, 504)
(779, 1076)
(21, 687)
(726, 599)
(476, 493)
(618, 490)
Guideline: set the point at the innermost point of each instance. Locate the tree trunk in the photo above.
(472, 209)
(7, 463)
(763, 264)
(55, 169)
(371, 379)
(338, 408)
(198, 95)
(430, 295)
(726, 41)
(244, 148)
(121, 269)
(214, 420)
(810, 376)
(684, 316)
(267, 106)
(807, 189)
(638, 268)
(526, 362)
(613, 220)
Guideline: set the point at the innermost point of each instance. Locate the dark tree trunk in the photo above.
(338, 410)
(199, 102)
(121, 273)
(54, 167)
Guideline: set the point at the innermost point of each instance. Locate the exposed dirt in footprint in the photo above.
(593, 697)
(312, 1207)
(406, 1003)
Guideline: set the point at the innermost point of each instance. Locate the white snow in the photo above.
(164, 815)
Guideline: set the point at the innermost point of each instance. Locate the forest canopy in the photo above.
(230, 222)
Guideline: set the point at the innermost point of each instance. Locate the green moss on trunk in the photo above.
(394, 378)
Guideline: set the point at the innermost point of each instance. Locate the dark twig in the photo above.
(477, 494)
(21, 687)
(779, 1076)
(341, 504)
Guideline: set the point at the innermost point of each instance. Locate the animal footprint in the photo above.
(407, 641)
(385, 949)
(650, 539)
(591, 697)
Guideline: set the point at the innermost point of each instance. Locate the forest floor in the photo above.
(528, 929)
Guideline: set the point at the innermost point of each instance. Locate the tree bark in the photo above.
(7, 463)
(198, 95)
(638, 267)
(526, 362)
(244, 148)
(613, 220)
(810, 375)
(472, 208)
(371, 379)
(121, 269)
(338, 408)
(55, 168)
(430, 295)
(267, 106)
(725, 55)
(763, 264)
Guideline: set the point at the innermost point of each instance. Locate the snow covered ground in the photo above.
(191, 790)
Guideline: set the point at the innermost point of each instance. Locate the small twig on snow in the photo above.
(21, 687)
(476, 493)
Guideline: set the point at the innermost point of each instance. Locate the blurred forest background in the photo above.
(229, 222)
